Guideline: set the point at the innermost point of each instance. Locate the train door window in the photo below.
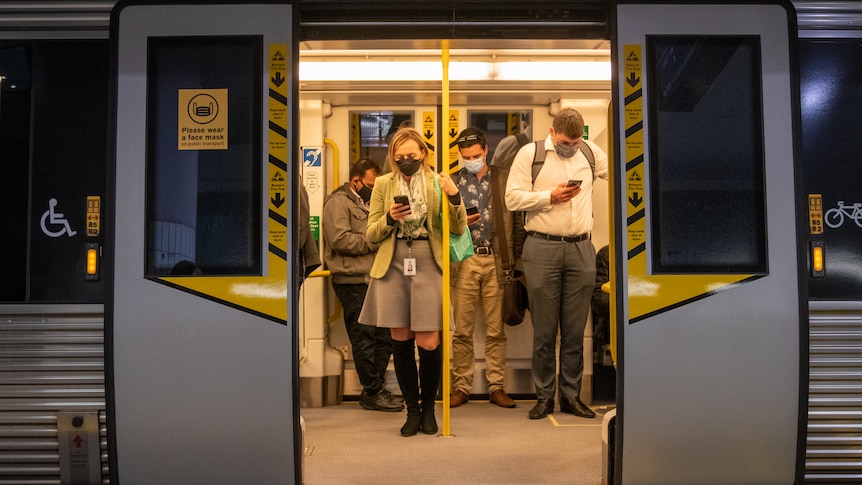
(708, 203)
(15, 140)
(370, 132)
(499, 124)
(203, 156)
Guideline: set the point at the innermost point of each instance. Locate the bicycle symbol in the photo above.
(835, 216)
(52, 217)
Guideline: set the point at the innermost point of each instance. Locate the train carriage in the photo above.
(111, 363)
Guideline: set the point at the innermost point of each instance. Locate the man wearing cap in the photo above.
(477, 281)
(558, 257)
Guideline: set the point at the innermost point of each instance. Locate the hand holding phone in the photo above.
(403, 200)
(472, 210)
(573, 183)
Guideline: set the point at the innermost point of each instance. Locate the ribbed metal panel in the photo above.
(55, 19)
(51, 360)
(834, 447)
(829, 19)
(78, 19)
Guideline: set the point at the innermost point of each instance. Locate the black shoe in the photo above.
(382, 401)
(542, 408)
(573, 405)
(429, 422)
(411, 427)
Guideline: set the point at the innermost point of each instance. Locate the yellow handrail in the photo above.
(336, 173)
(444, 55)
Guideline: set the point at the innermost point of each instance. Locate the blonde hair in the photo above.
(402, 136)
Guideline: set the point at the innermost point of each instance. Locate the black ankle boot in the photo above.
(430, 371)
(412, 425)
(404, 358)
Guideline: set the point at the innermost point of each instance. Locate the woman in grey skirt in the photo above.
(406, 289)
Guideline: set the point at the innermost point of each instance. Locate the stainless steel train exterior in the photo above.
(54, 183)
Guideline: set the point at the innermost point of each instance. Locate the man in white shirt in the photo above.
(558, 257)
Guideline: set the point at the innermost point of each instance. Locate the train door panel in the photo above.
(200, 338)
(712, 334)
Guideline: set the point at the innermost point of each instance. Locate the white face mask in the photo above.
(475, 165)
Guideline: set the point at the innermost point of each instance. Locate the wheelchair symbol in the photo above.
(55, 218)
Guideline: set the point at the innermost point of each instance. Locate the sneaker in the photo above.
(382, 401)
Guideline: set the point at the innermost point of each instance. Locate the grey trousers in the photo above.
(560, 278)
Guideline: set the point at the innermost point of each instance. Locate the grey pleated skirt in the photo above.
(398, 301)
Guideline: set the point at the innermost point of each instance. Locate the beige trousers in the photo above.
(475, 287)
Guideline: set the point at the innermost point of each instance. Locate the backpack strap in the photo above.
(539, 158)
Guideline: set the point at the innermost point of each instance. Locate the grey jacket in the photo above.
(348, 253)
(513, 224)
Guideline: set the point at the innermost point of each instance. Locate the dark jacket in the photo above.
(348, 253)
(309, 255)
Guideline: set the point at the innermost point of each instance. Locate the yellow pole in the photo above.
(612, 286)
(443, 151)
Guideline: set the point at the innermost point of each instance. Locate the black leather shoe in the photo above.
(573, 405)
(382, 401)
(542, 408)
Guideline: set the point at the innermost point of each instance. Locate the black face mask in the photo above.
(365, 193)
(408, 166)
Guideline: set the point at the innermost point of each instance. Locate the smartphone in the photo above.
(402, 199)
(472, 210)
(574, 183)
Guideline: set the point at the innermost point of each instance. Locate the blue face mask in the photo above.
(474, 166)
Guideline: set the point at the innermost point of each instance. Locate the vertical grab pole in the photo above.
(444, 55)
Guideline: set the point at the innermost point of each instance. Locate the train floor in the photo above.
(487, 444)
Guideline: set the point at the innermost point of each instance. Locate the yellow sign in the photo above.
(635, 196)
(815, 213)
(453, 146)
(202, 119)
(514, 123)
(428, 120)
(94, 215)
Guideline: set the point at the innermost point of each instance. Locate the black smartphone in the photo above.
(402, 199)
(472, 210)
(574, 183)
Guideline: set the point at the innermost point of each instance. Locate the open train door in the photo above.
(200, 335)
(712, 333)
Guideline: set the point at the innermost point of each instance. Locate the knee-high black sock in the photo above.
(405, 370)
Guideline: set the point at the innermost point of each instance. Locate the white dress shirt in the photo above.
(565, 219)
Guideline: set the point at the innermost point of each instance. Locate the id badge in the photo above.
(410, 266)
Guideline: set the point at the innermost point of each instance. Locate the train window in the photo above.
(500, 124)
(707, 192)
(15, 124)
(370, 132)
(203, 155)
